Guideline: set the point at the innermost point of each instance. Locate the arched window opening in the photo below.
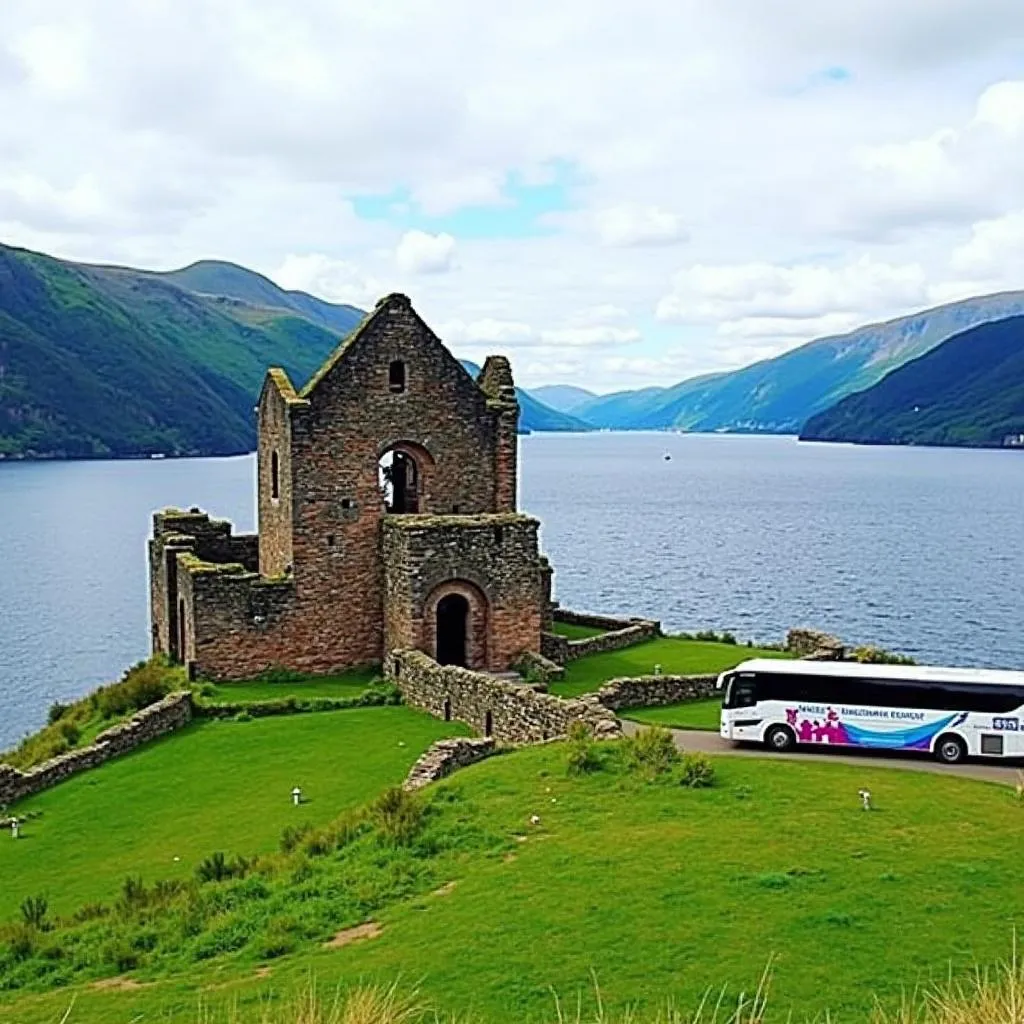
(396, 377)
(399, 479)
(452, 630)
(275, 476)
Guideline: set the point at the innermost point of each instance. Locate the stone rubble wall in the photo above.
(509, 712)
(655, 691)
(554, 647)
(613, 641)
(447, 756)
(167, 715)
(543, 669)
(814, 645)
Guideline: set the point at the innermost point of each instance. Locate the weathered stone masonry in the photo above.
(339, 573)
(167, 715)
(508, 712)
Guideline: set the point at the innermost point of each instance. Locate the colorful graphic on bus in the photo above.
(830, 728)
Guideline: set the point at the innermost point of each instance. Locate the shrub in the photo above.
(878, 656)
(398, 815)
(293, 835)
(582, 752)
(33, 911)
(698, 771)
(70, 732)
(651, 752)
(20, 940)
(214, 868)
(56, 712)
(119, 953)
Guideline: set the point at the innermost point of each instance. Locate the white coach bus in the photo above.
(952, 713)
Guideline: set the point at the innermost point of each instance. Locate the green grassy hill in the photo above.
(100, 361)
(657, 891)
(968, 391)
(104, 361)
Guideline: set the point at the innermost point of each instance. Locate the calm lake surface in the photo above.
(919, 550)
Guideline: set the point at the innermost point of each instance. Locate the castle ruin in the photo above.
(387, 521)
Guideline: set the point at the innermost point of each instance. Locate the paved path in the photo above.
(711, 743)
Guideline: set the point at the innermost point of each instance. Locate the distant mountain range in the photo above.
(779, 395)
(100, 361)
(967, 391)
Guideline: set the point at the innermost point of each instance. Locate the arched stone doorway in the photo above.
(452, 630)
(403, 475)
(456, 620)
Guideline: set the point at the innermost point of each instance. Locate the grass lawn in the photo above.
(674, 655)
(694, 714)
(349, 684)
(572, 631)
(216, 785)
(660, 892)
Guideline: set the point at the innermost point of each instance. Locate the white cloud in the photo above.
(638, 225)
(588, 337)
(160, 133)
(759, 291)
(334, 280)
(422, 253)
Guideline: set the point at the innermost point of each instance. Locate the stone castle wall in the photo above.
(490, 560)
(447, 756)
(167, 715)
(655, 691)
(509, 712)
(619, 633)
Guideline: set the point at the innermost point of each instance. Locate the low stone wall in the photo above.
(815, 645)
(538, 668)
(614, 641)
(606, 622)
(555, 647)
(171, 713)
(447, 756)
(510, 712)
(654, 691)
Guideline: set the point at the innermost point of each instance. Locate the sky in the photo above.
(613, 194)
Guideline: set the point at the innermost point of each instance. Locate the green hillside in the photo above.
(219, 279)
(533, 413)
(779, 395)
(113, 362)
(968, 391)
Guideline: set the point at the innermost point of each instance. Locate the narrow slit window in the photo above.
(275, 476)
(396, 377)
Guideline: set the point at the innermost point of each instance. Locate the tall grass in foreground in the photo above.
(994, 996)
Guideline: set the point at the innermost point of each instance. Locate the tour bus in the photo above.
(952, 713)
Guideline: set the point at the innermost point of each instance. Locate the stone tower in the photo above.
(387, 519)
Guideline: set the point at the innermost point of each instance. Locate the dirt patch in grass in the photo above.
(346, 936)
(445, 889)
(119, 984)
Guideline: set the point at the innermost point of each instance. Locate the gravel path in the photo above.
(711, 743)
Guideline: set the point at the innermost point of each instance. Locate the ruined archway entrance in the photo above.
(452, 630)
(402, 474)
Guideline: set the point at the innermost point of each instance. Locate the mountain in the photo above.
(108, 361)
(99, 361)
(562, 397)
(779, 395)
(534, 414)
(967, 391)
(218, 279)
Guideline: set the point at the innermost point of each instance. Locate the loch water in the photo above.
(920, 550)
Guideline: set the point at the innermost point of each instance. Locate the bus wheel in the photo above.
(780, 738)
(950, 749)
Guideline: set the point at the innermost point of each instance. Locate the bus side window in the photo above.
(744, 692)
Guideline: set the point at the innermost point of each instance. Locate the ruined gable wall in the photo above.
(352, 419)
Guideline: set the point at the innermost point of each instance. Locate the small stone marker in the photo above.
(296, 796)
(865, 798)
(657, 670)
(15, 831)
